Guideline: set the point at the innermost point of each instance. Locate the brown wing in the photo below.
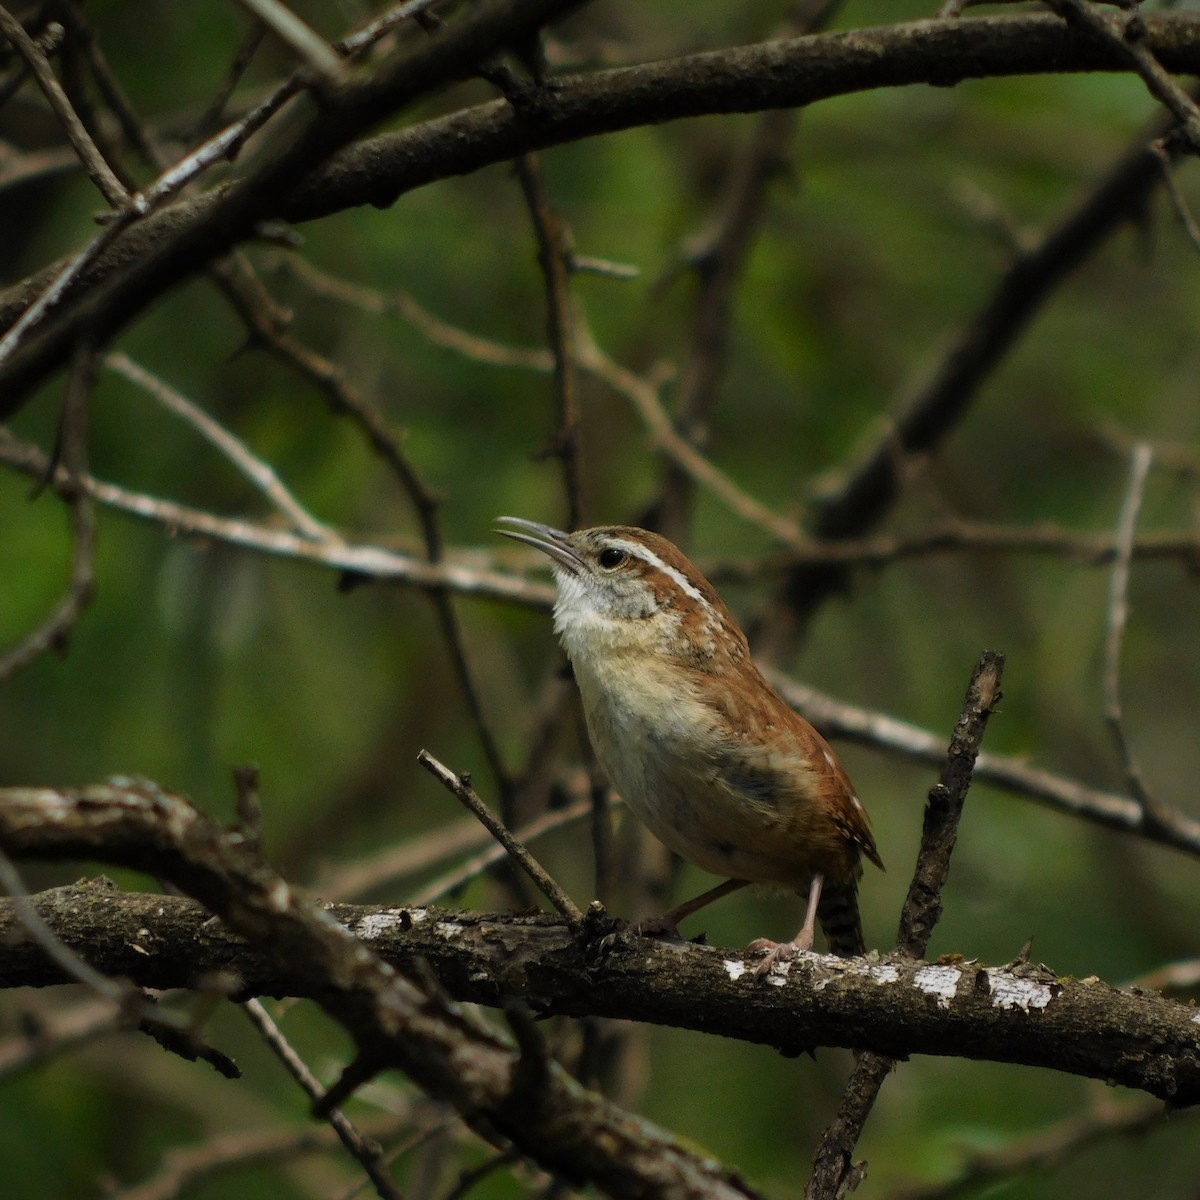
(754, 705)
(845, 806)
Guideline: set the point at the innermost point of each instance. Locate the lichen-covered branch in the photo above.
(574, 1133)
(1019, 1013)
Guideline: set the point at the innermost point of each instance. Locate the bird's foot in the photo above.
(778, 952)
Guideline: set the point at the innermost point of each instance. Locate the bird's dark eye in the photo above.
(612, 557)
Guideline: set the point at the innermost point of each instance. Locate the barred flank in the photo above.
(837, 911)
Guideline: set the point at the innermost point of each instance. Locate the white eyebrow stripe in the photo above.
(648, 555)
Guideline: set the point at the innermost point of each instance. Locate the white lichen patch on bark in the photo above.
(387, 920)
(733, 968)
(938, 981)
(882, 973)
(1011, 991)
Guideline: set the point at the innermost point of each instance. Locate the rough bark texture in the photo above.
(1020, 1013)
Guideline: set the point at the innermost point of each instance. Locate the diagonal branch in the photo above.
(286, 181)
(81, 587)
(89, 154)
(927, 417)
(444, 1048)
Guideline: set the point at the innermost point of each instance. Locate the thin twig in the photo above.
(440, 333)
(93, 161)
(1124, 31)
(420, 853)
(834, 1170)
(212, 116)
(123, 996)
(59, 285)
(185, 1167)
(303, 41)
(463, 874)
(81, 587)
(1173, 977)
(365, 1150)
(370, 560)
(1110, 810)
(1175, 192)
(249, 300)
(1045, 1150)
(923, 906)
(56, 1032)
(381, 26)
(260, 473)
(1118, 615)
(925, 418)
(719, 259)
(643, 395)
(460, 786)
(554, 251)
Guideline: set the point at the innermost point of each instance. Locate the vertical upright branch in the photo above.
(834, 1171)
(1118, 615)
(554, 255)
(719, 261)
(923, 905)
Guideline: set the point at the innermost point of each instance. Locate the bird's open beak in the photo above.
(545, 538)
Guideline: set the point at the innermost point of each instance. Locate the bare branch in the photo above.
(1122, 814)
(897, 1007)
(643, 395)
(312, 49)
(371, 561)
(460, 786)
(261, 474)
(1118, 613)
(928, 416)
(440, 333)
(1124, 32)
(185, 1167)
(89, 154)
(833, 1168)
(122, 996)
(420, 853)
(775, 74)
(1046, 1150)
(444, 1048)
(365, 1151)
(81, 587)
(554, 252)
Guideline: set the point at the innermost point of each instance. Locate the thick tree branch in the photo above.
(319, 127)
(445, 1049)
(1019, 1013)
(162, 250)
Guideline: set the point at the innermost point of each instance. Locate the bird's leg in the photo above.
(668, 923)
(774, 952)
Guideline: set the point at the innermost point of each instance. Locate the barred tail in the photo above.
(838, 913)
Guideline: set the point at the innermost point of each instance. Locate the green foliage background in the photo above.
(875, 251)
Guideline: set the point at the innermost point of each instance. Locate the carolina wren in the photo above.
(693, 737)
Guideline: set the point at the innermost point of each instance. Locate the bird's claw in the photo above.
(777, 952)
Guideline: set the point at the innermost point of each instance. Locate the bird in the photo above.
(717, 765)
